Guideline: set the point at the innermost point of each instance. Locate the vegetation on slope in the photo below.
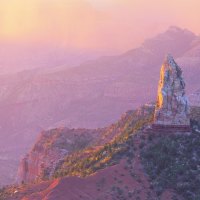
(173, 162)
(195, 117)
(5, 192)
(90, 160)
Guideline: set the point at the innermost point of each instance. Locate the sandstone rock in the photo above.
(172, 108)
(51, 148)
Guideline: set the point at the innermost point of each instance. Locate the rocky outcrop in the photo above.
(172, 107)
(61, 144)
(51, 147)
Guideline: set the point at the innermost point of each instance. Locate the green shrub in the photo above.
(82, 164)
(173, 162)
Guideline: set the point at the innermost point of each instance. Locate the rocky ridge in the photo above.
(127, 166)
(51, 147)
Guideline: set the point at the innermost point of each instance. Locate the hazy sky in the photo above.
(111, 25)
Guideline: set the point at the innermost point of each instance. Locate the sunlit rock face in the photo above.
(172, 108)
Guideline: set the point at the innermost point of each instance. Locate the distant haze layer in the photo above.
(111, 26)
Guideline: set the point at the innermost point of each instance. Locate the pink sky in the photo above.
(107, 25)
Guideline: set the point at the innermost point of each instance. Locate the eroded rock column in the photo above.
(172, 107)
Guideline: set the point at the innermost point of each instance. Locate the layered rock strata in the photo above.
(51, 148)
(172, 107)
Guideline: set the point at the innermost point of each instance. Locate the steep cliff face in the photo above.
(108, 169)
(56, 147)
(172, 106)
(50, 148)
(134, 164)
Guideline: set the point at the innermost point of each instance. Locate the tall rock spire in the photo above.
(172, 107)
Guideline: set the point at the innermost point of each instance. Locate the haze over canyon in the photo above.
(91, 95)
